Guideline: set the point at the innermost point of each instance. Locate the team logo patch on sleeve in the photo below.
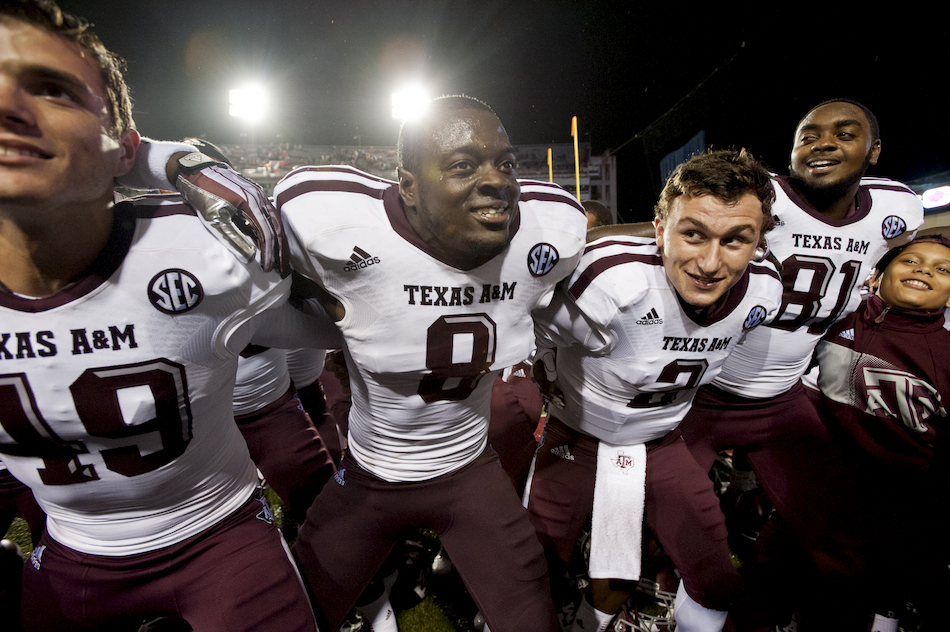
(892, 226)
(755, 317)
(542, 259)
(175, 291)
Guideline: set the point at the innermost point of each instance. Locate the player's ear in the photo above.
(659, 228)
(875, 151)
(128, 145)
(408, 188)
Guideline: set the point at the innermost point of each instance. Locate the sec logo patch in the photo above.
(893, 226)
(542, 259)
(755, 317)
(174, 291)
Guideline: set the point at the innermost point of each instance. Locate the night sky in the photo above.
(331, 66)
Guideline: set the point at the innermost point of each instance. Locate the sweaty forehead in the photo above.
(31, 48)
(465, 129)
(929, 248)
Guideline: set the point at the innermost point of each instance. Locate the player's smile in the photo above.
(705, 282)
(10, 149)
(493, 214)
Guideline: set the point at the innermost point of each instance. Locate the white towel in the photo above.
(617, 518)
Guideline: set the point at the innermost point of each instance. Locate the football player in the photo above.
(640, 326)
(432, 280)
(833, 224)
(122, 324)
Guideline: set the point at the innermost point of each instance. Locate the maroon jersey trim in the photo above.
(722, 308)
(600, 266)
(862, 202)
(725, 306)
(342, 186)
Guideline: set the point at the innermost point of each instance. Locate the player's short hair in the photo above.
(602, 215)
(412, 134)
(46, 14)
(726, 174)
(875, 128)
(890, 255)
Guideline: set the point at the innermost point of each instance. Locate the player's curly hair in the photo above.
(727, 174)
(412, 134)
(46, 14)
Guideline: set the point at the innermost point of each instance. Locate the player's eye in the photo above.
(55, 91)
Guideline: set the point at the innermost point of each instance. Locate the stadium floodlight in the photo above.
(248, 103)
(409, 103)
(935, 198)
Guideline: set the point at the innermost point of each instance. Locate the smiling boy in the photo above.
(885, 384)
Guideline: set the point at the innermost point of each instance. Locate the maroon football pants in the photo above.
(236, 576)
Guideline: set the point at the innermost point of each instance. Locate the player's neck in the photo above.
(42, 252)
(833, 206)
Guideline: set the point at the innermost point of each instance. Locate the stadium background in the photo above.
(649, 84)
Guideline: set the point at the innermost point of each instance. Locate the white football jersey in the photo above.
(424, 340)
(824, 263)
(116, 392)
(631, 354)
(262, 379)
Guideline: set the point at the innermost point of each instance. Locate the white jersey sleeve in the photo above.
(651, 352)
(824, 263)
(423, 339)
(116, 391)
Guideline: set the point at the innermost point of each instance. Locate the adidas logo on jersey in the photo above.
(651, 318)
(847, 334)
(563, 452)
(359, 259)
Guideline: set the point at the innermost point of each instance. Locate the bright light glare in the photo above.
(249, 103)
(933, 198)
(409, 103)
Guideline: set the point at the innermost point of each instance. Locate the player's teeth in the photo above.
(10, 151)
